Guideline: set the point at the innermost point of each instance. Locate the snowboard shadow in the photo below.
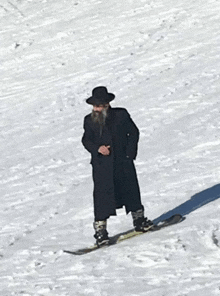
(196, 201)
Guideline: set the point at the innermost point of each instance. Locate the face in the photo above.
(99, 108)
(99, 113)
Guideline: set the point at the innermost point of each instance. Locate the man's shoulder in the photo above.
(120, 111)
(87, 117)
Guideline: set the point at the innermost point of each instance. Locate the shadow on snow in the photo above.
(196, 201)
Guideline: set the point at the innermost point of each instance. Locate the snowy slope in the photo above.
(161, 59)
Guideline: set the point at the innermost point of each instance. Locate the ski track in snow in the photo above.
(161, 59)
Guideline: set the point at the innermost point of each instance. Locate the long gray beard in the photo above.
(100, 118)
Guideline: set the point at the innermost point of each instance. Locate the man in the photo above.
(112, 137)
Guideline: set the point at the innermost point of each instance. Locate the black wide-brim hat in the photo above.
(100, 96)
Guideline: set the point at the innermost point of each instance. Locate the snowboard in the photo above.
(177, 218)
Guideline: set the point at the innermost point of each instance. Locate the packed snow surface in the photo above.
(162, 61)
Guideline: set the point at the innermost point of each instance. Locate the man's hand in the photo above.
(104, 150)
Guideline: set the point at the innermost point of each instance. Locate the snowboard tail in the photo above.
(177, 218)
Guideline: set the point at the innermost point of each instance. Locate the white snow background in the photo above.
(162, 60)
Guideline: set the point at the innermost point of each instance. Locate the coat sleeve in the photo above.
(132, 137)
(88, 138)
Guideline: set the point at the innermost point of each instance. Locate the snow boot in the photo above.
(140, 222)
(101, 234)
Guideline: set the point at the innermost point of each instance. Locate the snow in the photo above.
(161, 59)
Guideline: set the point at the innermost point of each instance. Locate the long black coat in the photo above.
(114, 176)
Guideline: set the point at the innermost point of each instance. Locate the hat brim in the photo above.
(98, 101)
